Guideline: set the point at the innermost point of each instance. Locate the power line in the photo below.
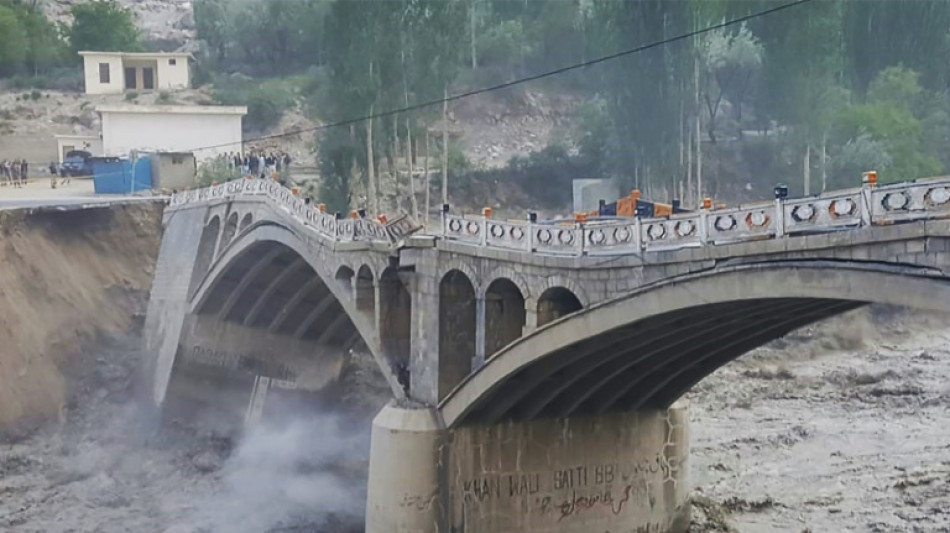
(518, 81)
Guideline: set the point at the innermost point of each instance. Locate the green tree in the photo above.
(884, 33)
(13, 46)
(103, 26)
(45, 47)
(889, 117)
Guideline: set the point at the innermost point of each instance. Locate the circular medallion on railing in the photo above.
(565, 237)
(938, 196)
(516, 233)
(656, 231)
(757, 219)
(725, 222)
(497, 231)
(895, 201)
(843, 208)
(455, 226)
(597, 237)
(803, 213)
(473, 228)
(685, 228)
(622, 235)
(545, 236)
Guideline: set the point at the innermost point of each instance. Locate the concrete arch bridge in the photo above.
(535, 368)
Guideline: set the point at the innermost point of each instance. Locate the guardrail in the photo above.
(341, 230)
(832, 211)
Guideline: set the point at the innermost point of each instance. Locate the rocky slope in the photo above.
(168, 22)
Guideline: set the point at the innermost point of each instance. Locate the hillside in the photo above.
(166, 22)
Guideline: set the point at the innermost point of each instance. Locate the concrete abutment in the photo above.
(618, 472)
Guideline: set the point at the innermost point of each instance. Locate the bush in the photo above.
(547, 176)
(266, 100)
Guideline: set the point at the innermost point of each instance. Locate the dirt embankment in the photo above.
(66, 279)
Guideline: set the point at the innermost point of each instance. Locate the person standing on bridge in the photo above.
(24, 171)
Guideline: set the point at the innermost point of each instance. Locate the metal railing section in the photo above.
(832, 211)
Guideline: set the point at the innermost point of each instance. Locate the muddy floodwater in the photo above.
(841, 427)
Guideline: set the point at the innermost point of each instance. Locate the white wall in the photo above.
(173, 76)
(172, 132)
(92, 145)
(116, 83)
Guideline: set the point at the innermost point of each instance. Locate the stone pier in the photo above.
(619, 472)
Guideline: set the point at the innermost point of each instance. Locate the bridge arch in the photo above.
(271, 278)
(457, 328)
(206, 250)
(246, 221)
(230, 230)
(648, 347)
(365, 288)
(557, 302)
(344, 277)
(505, 314)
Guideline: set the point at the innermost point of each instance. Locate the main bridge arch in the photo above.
(647, 348)
(271, 283)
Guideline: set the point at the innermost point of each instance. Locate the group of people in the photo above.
(258, 164)
(15, 173)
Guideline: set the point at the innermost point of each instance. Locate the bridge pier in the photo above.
(619, 472)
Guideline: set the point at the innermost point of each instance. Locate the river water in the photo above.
(843, 427)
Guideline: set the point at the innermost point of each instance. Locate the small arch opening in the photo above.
(555, 303)
(395, 315)
(246, 221)
(365, 291)
(344, 276)
(230, 229)
(206, 245)
(504, 315)
(457, 317)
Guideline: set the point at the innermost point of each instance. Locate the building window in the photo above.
(173, 62)
(177, 160)
(104, 73)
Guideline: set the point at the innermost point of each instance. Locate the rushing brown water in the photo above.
(844, 427)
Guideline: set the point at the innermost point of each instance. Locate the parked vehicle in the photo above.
(77, 163)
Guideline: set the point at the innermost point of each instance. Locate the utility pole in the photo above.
(445, 146)
(135, 158)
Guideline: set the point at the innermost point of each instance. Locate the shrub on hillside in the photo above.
(266, 100)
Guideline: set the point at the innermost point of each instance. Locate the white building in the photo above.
(204, 130)
(117, 72)
(86, 143)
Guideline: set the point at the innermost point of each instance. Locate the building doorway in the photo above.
(130, 78)
(148, 79)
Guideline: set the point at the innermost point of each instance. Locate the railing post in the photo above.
(484, 230)
(532, 218)
(581, 244)
(638, 234)
(779, 217)
(445, 220)
(867, 195)
(703, 228)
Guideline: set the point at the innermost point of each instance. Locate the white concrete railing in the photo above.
(343, 230)
(836, 210)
